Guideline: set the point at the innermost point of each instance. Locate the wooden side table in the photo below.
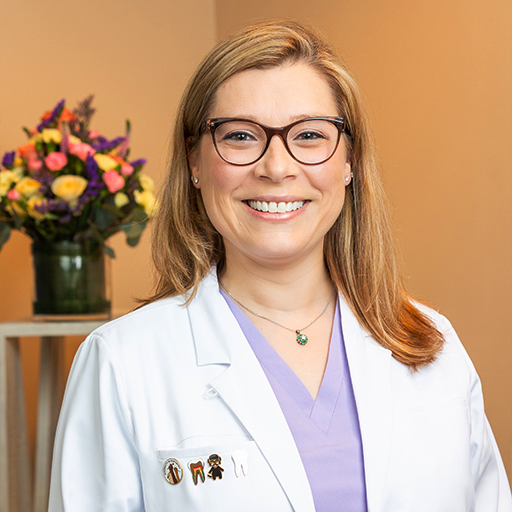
(16, 492)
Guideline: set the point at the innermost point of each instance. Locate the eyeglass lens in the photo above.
(242, 142)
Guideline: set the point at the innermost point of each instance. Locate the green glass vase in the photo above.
(71, 281)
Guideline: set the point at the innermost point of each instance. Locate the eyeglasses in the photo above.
(310, 141)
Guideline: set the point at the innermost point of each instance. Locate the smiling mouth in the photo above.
(272, 207)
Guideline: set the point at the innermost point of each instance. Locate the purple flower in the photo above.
(140, 162)
(104, 145)
(122, 150)
(55, 113)
(94, 184)
(82, 201)
(41, 208)
(66, 218)
(8, 159)
(44, 177)
(91, 168)
(64, 143)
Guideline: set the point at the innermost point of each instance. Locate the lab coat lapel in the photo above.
(370, 371)
(244, 388)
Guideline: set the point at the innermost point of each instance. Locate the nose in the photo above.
(276, 164)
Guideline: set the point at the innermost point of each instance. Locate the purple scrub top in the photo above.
(325, 430)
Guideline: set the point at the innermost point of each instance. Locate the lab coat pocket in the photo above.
(228, 473)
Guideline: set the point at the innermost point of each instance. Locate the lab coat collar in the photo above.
(370, 371)
(245, 389)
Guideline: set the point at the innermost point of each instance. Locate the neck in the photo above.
(301, 287)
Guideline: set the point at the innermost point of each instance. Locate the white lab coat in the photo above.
(168, 381)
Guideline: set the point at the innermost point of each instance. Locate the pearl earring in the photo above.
(347, 179)
(194, 180)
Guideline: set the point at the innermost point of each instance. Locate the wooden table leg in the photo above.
(15, 475)
(52, 381)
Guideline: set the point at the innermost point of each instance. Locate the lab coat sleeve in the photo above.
(492, 490)
(95, 463)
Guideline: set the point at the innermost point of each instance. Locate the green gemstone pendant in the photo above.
(302, 339)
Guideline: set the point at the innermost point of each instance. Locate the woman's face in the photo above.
(274, 97)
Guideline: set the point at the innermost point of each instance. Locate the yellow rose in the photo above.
(34, 201)
(18, 162)
(7, 178)
(74, 140)
(147, 200)
(51, 135)
(18, 209)
(19, 171)
(28, 186)
(121, 199)
(69, 188)
(146, 182)
(105, 162)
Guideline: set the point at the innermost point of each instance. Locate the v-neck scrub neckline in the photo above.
(325, 430)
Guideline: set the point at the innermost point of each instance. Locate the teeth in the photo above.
(273, 207)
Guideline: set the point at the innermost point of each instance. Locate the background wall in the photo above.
(438, 84)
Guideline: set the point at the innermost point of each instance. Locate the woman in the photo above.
(280, 363)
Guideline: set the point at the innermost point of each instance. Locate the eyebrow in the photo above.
(294, 118)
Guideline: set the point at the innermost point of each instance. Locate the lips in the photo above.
(274, 207)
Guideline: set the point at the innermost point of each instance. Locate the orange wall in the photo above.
(135, 57)
(438, 82)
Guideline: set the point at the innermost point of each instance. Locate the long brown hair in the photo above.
(359, 249)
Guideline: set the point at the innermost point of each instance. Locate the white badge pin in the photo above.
(240, 458)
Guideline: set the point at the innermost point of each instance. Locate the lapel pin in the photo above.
(197, 469)
(215, 470)
(241, 463)
(173, 471)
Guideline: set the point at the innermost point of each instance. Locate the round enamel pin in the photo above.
(173, 471)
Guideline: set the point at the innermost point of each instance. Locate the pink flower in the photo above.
(56, 161)
(81, 150)
(94, 134)
(126, 169)
(13, 194)
(113, 180)
(34, 164)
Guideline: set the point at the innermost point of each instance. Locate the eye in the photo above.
(238, 136)
(308, 135)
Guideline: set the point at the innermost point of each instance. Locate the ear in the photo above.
(347, 173)
(193, 163)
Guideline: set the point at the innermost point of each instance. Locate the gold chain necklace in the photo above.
(302, 339)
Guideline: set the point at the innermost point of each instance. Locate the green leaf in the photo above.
(18, 223)
(139, 215)
(109, 251)
(27, 132)
(103, 218)
(128, 127)
(133, 231)
(113, 210)
(97, 235)
(5, 232)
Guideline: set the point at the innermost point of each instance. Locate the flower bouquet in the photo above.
(69, 189)
(68, 183)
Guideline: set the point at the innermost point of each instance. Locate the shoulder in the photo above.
(452, 371)
(148, 322)
(452, 344)
(161, 326)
